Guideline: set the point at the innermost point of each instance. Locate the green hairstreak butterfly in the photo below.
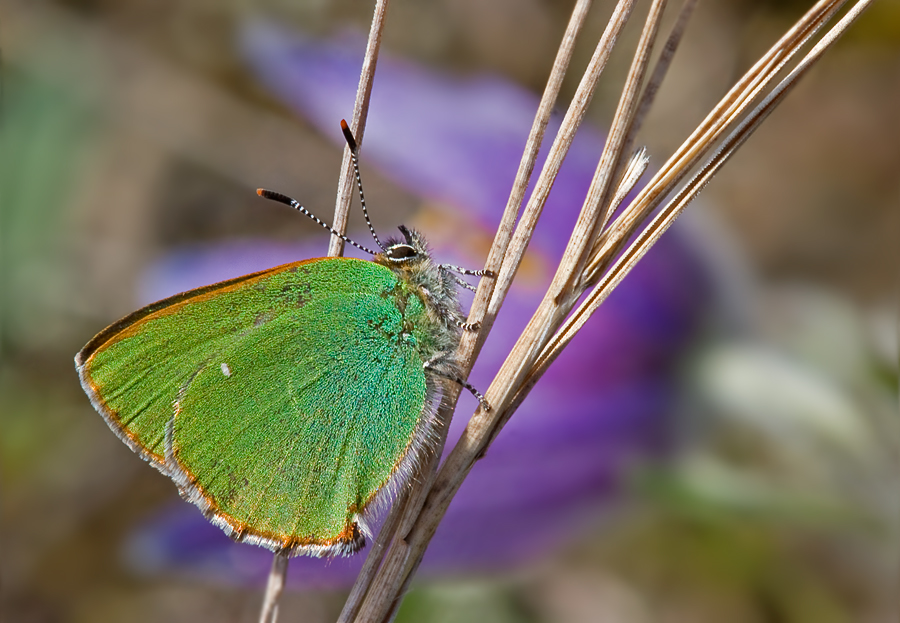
(286, 403)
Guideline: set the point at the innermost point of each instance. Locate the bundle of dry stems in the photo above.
(600, 252)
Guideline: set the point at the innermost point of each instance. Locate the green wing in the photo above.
(280, 402)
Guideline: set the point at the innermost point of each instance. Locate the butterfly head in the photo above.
(410, 253)
(410, 259)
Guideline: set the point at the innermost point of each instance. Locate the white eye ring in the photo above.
(401, 252)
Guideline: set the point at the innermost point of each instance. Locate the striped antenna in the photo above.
(274, 196)
(354, 155)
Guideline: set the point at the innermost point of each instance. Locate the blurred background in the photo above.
(135, 129)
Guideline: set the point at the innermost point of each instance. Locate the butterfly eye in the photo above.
(401, 252)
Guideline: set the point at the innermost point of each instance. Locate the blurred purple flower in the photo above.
(604, 405)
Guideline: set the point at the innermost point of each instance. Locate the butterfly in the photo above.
(287, 403)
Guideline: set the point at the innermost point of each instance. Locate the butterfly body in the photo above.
(285, 403)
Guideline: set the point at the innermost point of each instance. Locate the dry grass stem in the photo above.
(558, 300)
(596, 209)
(729, 109)
(562, 295)
(635, 169)
(662, 67)
(374, 557)
(481, 311)
(702, 140)
(346, 186)
(564, 137)
(275, 585)
(667, 215)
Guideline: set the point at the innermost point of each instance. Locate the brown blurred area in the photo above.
(823, 166)
(141, 130)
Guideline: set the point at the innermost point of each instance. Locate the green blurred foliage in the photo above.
(46, 136)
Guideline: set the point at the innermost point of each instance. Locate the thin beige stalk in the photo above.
(275, 585)
(662, 68)
(637, 165)
(698, 144)
(374, 557)
(346, 187)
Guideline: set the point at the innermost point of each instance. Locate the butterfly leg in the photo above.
(450, 269)
(468, 326)
(460, 281)
(462, 324)
(465, 271)
(434, 366)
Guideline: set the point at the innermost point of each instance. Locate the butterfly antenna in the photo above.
(271, 194)
(354, 154)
